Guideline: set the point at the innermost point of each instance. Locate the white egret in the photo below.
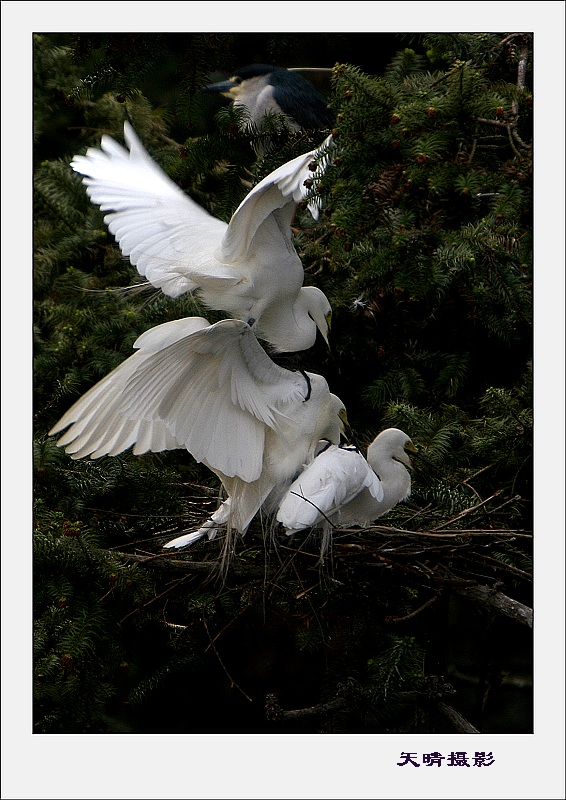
(213, 390)
(341, 488)
(338, 488)
(247, 268)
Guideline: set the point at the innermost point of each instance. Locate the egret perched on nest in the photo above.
(264, 89)
(247, 268)
(340, 487)
(213, 390)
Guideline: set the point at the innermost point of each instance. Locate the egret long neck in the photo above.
(394, 476)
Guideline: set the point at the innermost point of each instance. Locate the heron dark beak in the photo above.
(222, 87)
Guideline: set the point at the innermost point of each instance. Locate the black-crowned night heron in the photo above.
(248, 268)
(213, 390)
(264, 89)
(341, 487)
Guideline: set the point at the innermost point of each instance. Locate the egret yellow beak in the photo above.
(325, 333)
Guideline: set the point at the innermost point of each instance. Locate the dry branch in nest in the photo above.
(469, 552)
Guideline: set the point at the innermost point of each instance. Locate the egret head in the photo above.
(345, 425)
(339, 408)
(336, 421)
(319, 309)
(394, 444)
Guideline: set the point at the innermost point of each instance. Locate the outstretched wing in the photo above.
(167, 236)
(212, 390)
(276, 195)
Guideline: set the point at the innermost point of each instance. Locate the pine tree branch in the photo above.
(494, 122)
(277, 714)
(510, 38)
(522, 68)
(486, 596)
(431, 696)
(511, 142)
(519, 141)
(449, 74)
(521, 80)
(460, 723)
(346, 699)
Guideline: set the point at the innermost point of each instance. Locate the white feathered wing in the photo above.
(213, 390)
(247, 268)
(325, 489)
(341, 488)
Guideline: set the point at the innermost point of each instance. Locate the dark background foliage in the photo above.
(424, 248)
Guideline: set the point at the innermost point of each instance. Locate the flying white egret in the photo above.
(247, 268)
(213, 390)
(340, 487)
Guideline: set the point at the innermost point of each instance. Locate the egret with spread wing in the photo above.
(247, 268)
(213, 390)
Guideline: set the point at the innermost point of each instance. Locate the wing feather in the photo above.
(281, 189)
(167, 236)
(212, 390)
(333, 480)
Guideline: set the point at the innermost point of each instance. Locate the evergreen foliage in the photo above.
(424, 248)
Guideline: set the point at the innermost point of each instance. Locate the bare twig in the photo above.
(510, 38)
(496, 123)
(519, 141)
(233, 684)
(414, 613)
(466, 482)
(164, 561)
(473, 150)
(459, 722)
(522, 68)
(153, 599)
(229, 624)
(346, 699)
(511, 142)
(502, 565)
(276, 713)
(431, 695)
(469, 510)
(447, 534)
(506, 605)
